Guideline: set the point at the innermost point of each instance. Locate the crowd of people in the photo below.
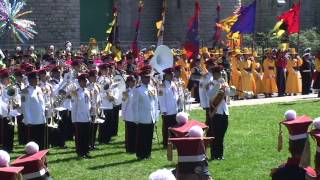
(78, 94)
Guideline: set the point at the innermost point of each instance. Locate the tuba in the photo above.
(162, 59)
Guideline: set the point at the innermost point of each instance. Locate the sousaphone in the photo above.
(162, 59)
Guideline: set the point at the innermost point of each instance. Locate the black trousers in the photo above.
(130, 136)
(37, 133)
(306, 82)
(218, 126)
(144, 140)
(67, 127)
(115, 121)
(93, 133)
(82, 138)
(168, 121)
(281, 81)
(22, 131)
(7, 136)
(105, 129)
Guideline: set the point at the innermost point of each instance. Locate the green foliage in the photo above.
(250, 149)
(308, 38)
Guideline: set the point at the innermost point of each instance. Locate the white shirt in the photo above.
(80, 111)
(7, 102)
(203, 92)
(105, 103)
(47, 94)
(145, 104)
(223, 106)
(95, 98)
(168, 98)
(33, 106)
(127, 106)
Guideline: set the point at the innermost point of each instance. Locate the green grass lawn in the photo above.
(250, 149)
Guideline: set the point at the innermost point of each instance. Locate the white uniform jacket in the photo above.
(127, 106)
(33, 105)
(145, 104)
(80, 111)
(168, 98)
(204, 87)
(223, 106)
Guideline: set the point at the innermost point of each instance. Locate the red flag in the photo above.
(292, 18)
(192, 42)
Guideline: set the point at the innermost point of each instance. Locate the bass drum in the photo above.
(118, 87)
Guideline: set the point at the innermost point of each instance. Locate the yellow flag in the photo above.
(159, 24)
(226, 24)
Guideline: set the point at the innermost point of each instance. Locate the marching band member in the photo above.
(293, 83)
(80, 114)
(196, 72)
(6, 172)
(315, 133)
(47, 94)
(218, 112)
(295, 168)
(20, 84)
(281, 65)
(107, 100)
(34, 163)
(145, 113)
(180, 86)
(192, 158)
(114, 121)
(127, 114)
(95, 105)
(269, 76)
(33, 108)
(168, 101)
(306, 70)
(8, 106)
(205, 84)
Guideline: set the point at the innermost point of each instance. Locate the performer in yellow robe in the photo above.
(316, 83)
(269, 76)
(235, 79)
(246, 68)
(293, 82)
(185, 70)
(257, 74)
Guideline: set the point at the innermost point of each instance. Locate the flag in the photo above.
(292, 18)
(217, 33)
(192, 42)
(112, 32)
(246, 20)
(280, 29)
(134, 44)
(227, 23)
(160, 23)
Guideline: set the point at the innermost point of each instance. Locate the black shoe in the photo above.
(87, 156)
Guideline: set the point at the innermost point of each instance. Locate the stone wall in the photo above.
(59, 20)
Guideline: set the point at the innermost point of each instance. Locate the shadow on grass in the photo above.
(287, 104)
(113, 164)
(63, 152)
(75, 157)
(108, 154)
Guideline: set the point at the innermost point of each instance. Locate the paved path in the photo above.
(250, 102)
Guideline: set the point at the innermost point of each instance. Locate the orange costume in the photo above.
(269, 76)
(293, 83)
(185, 71)
(235, 79)
(258, 74)
(247, 79)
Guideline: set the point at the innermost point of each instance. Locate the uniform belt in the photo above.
(271, 68)
(248, 69)
(296, 68)
(306, 71)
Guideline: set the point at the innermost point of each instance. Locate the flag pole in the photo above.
(298, 38)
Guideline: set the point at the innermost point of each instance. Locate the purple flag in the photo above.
(246, 21)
